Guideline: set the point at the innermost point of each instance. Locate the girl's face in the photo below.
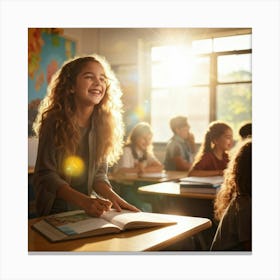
(142, 142)
(225, 141)
(91, 84)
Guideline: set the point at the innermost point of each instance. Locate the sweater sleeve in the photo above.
(101, 174)
(47, 178)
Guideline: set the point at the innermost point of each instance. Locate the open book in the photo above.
(77, 224)
(209, 185)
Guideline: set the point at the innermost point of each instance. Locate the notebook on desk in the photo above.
(209, 185)
(203, 181)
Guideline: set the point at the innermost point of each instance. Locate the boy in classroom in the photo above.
(80, 130)
(138, 156)
(245, 130)
(180, 148)
(233, 204)
(212, 157)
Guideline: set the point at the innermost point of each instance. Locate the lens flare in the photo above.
(73, 166)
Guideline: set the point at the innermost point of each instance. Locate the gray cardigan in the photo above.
(49, 175)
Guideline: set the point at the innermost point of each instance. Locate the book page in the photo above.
(77, 222)
(128, 219)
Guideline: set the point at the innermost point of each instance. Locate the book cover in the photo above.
(198, 189)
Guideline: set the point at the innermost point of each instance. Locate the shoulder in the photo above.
(207, 156)
(243, 202)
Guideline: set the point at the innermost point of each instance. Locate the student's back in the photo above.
(233, 204)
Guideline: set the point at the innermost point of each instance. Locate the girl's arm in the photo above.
(154, 166)
(181, 164)
(117, 202)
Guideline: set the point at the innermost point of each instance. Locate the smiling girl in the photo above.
(212, 158)
(80, 130)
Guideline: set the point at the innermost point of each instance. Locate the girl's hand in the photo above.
(140, 167)
(118, 203)
(97, 206)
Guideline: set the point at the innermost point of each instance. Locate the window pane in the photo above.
(231, 43)
(161, 53)
(202, 46)
(201, 71)
(234, 104)
(168, 103)
(234, 68)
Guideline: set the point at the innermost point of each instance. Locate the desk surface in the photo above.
(149, 239)
(172, 189)
(169, 176)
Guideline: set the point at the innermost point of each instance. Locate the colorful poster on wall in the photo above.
(48, 49)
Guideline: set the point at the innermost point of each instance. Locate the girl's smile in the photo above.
(91, 84)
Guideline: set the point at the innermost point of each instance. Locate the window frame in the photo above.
(213, 80)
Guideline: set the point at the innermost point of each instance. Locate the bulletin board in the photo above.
(48, 49)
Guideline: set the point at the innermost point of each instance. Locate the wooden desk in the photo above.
(126, 186)
(151, 239)
(172, 189)
(170, 176)
(167, 198)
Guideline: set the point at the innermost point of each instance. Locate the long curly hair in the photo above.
(238, 178)
(58, 108)
(215, 130)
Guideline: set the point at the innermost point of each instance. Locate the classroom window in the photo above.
(207, 80)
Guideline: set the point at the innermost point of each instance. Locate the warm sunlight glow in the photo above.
(73, 166)
(174, 66)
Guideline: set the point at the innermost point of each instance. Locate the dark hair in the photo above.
(215, 130)
(245, 130)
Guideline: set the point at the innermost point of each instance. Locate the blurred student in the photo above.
(180, 148)
(80, 132)
(138, 156)
(245, 130)
(233, 204)
(212, 157)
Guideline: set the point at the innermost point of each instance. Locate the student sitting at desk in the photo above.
(233, 204)
(80, 131)
(138, 156)
(181, 147)
(212, 157)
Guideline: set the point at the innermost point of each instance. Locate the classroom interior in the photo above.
(202, 73)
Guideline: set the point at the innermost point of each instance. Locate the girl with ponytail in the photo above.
(212, 157)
